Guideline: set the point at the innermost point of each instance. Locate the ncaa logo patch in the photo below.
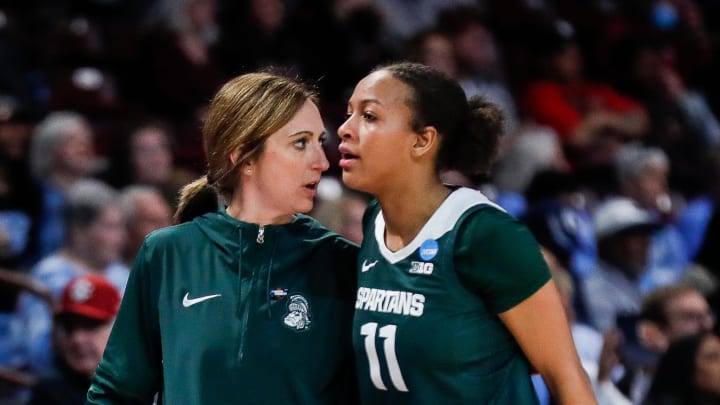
(298, 316)
(429, 249)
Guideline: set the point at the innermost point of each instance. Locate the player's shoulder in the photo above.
(487, 220)
(463, 206)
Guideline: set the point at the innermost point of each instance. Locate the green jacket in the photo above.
(218, 311)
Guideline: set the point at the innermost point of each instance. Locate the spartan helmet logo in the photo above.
(298, 316)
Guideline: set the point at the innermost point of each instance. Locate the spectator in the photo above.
(62, 152)
(592, 119)
(642, 174)
(479, 60)
(680, 116)
(559, 218)
(522, 158)
(81, 328)
(402, 22)
(145, 211)
(669, 313)
(709, 256)
(95, 228)
(673, 312)
(18, 74)
(266, 23)
(433, 48)
(14, 380)
(146, 157)
(623, 231)
(183, 69)
(19, 193)
(694, 219)
(362, 27)
(689, 373)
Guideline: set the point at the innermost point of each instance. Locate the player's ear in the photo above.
(425, 141)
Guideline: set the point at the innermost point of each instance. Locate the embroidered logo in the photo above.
(421, 268)
(81, 291)
(188, 302)
(298, 316)
(367, 266)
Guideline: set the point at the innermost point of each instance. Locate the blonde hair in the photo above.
(242, 115)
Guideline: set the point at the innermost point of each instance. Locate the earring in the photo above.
(248, 171)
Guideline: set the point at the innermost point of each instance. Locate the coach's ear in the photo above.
(247, 167)
(425, 141)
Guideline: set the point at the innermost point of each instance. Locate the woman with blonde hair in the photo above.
(246, 300)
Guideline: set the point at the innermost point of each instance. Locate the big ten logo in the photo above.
(421, 268)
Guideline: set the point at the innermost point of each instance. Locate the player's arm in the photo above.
(540, 327)
(502, 261)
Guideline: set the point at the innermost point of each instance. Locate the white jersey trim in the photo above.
(442, 221)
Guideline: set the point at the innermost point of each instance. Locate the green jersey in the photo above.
(426, 327)
(218, 311)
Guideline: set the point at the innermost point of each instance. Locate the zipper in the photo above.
(246, 288)
(274, 242)
(245, 299)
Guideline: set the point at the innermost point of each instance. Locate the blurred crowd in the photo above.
(611, 157)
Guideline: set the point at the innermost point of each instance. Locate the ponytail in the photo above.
(470, 129)
(473, 148)
(486, 126)
(196, 198)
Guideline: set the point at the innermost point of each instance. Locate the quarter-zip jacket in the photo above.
(219, 311)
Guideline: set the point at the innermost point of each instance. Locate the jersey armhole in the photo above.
(506, 302)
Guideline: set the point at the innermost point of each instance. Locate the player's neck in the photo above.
(407, 212)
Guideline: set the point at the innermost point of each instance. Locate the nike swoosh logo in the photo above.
(367, 266)
(188, 302)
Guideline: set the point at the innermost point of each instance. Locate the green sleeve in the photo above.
(131, 366)
(498, 258)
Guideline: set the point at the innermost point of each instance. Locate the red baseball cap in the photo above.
(90, 296)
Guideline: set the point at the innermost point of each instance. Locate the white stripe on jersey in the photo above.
(443, 220)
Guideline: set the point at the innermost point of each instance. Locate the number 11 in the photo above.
(388, 333)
